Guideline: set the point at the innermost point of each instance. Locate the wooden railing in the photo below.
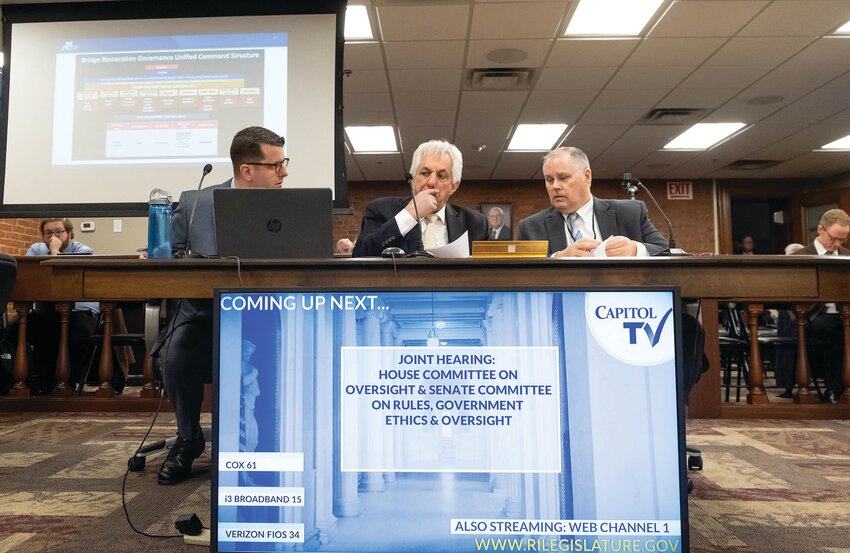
(754, 280)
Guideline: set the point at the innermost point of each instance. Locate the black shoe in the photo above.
(787, 394)
(177, 467)
(829, 397)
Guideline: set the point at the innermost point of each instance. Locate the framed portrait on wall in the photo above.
(499, 219)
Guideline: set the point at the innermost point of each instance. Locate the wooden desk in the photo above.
(754, 280)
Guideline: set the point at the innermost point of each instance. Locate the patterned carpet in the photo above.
(768, 486)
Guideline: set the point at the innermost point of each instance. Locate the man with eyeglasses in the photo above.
(183, 351)
(833, 229)
(391, 222)
(57, 236)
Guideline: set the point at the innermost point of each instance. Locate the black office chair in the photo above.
(95, 343)
(734, 350)
(694, 363)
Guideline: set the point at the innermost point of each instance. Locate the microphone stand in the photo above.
(420, 252)
(188, 251)
(631, 187)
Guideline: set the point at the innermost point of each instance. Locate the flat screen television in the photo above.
(448, 421)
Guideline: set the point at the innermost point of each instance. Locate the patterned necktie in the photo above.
(493, 234)
(571, 226)
(429, 237)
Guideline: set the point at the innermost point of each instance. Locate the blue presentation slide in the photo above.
(448, 421)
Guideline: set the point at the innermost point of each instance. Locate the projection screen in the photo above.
(104, 102)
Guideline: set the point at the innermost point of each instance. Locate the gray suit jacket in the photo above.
(201, 236)
(615, 217)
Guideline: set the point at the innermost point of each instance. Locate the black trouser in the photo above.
(827, 327)
(183, 354)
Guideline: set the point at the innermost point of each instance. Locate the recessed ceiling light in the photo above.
(611, 17)
(507, 55)
(840, 144)
(536, 137)
(357, 25)
(372, 139)
(844, 29)
(703, 136)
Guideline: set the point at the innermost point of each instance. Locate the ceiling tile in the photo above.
(412, 136)
(363, 55)
(412, 101)
(520, 165)
(827, 50)
(758, 51)
(427, 117)
(623, 98)
(411, 80)
(352, 171)
(495, 137)
(698, 97)
(706, 18)
(353, 118)
(423, 22)
(439, 54)
(560, 99)
(367, 101)
(590, 52)
(365, 81)
(535, 50)
(674, 51)
(724, 76)
(610, 116)
(650, 77)
(539, 20)
(574, 78)
(798, 18)
(380, 166)
(803, 78)
(492, 108)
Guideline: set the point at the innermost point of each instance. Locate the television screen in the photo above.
(448, 421)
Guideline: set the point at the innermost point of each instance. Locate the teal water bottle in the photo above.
(159, 225)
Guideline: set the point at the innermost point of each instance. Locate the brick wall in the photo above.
(16, 235)
(693, 220)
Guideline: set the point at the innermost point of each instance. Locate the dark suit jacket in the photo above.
(615, 217)
(202, 234)
(378, 230)
(811, 250)
(504, 234)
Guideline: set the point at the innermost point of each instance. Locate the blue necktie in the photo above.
(571, 226)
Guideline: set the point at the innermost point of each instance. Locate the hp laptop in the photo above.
(261, 223)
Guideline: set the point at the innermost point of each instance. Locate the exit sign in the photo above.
(680, 190)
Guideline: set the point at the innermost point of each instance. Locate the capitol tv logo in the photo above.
(635, 328)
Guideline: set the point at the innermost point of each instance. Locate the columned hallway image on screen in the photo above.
(401, 421)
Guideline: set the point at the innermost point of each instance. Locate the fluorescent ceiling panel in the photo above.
(357, 25)
(703, 136)
(611, 17)
(372, 139)
(536, 137)
(840, 144)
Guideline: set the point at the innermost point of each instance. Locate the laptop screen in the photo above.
(448, 421)
(259, 223)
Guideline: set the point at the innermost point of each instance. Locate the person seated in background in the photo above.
(391, 222)
(183, 350)
(57, 237)
(498, 229)
(747, 245)
(824, 319)
(578, 222)
(343, 246)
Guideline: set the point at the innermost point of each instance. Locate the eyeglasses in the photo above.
(277, 166)
(57, 233)
(834, 239)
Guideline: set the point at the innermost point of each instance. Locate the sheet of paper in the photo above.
(457, 249)
(600, 249)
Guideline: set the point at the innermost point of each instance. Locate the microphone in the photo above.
(188, 251)
(420, 251)
(630, 185)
